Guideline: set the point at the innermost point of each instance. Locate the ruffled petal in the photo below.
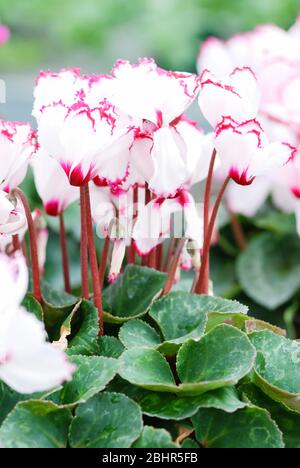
(145, 91)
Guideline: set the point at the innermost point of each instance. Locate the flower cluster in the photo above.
(123, 146)
(273, 55)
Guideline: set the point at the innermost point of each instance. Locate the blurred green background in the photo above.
(92, 34)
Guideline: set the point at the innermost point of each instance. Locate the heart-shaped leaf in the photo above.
(155, 438)
(36, 424)
(246, 428)
(277, 367)
(269, 269)
(108, 420)
(92, 374)
(221, 358)
(132, 294)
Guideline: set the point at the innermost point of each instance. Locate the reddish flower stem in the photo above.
(84, 261)
(16, 242)
(64, 253)
(159, 256)
(103, 261)
(171, 275)
(237, 231)
(152, 258)
(202, 286)
(207, 195)
(93, 258)
(36, 277)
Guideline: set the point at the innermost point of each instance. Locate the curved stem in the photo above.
(85, 290)
(93, 259)
(174, 265)
(16, 242)
(207, 195)
(36, 278)
(103, 261)
(64, 253)
(202, 287)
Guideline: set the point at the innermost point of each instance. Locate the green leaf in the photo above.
(154, 438)
(277, 367)
(246, 428)
(227, 356)
(147, 368)
(110, 346)
(92, 375)
(57, 306)
(132, 294)
(36, 424)
(276, 222)
(137, 333)
(189, 444)
(172, 407)
(269, 269)
(221, 358)
(287, 421)
(86, 323)
(8, 399)
(108, 420)
(33, 306)
(180, 316)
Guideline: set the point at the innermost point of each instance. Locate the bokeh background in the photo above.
(92, 34)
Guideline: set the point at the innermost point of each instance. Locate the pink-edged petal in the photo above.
(236, 150)
(273, 156)
(236, 97)
(51, 87)
(145, 91)
(169, 168)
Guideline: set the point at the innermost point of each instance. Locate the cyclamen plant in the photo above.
(122, 147)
